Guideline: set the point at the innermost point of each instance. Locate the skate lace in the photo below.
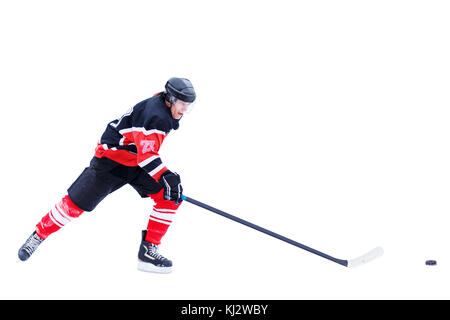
(32, 243)
(153, 251)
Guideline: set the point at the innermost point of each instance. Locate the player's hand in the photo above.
(172, 187)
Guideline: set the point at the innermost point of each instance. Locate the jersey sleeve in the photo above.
(148, 143)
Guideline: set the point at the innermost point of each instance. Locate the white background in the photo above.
(324, 121)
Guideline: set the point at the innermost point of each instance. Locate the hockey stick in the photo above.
(369, 256)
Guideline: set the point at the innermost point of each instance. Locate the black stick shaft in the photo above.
(268, 232)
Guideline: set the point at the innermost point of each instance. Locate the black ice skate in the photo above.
(149, 258)
(29, 246)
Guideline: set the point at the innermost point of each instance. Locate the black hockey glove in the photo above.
(172, 186)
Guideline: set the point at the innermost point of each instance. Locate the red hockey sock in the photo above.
(61, 214)
(160, 218)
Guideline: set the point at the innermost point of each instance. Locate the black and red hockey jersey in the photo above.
(136, 137)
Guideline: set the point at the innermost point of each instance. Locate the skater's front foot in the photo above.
(149, 258)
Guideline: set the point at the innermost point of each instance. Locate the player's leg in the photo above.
(88, 190)
(160, 219)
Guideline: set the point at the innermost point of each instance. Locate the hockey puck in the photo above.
(430, 262)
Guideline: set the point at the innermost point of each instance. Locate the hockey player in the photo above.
(127, 153)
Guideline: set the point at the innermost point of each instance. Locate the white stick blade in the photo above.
(369, 256)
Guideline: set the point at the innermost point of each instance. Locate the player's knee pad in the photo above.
(69, 208)
(161, 203)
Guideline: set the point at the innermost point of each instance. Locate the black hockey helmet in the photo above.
(180, 88)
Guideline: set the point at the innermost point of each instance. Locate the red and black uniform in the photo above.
(135, 138)
(127, 153)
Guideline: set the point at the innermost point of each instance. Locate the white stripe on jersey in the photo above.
(156, 170)
(147, 161)
(143, 130)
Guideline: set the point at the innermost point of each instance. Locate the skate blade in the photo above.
(148, 267)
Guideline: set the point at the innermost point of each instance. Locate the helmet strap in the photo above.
(171, 99)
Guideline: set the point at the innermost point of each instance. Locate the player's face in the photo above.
(179, 108)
